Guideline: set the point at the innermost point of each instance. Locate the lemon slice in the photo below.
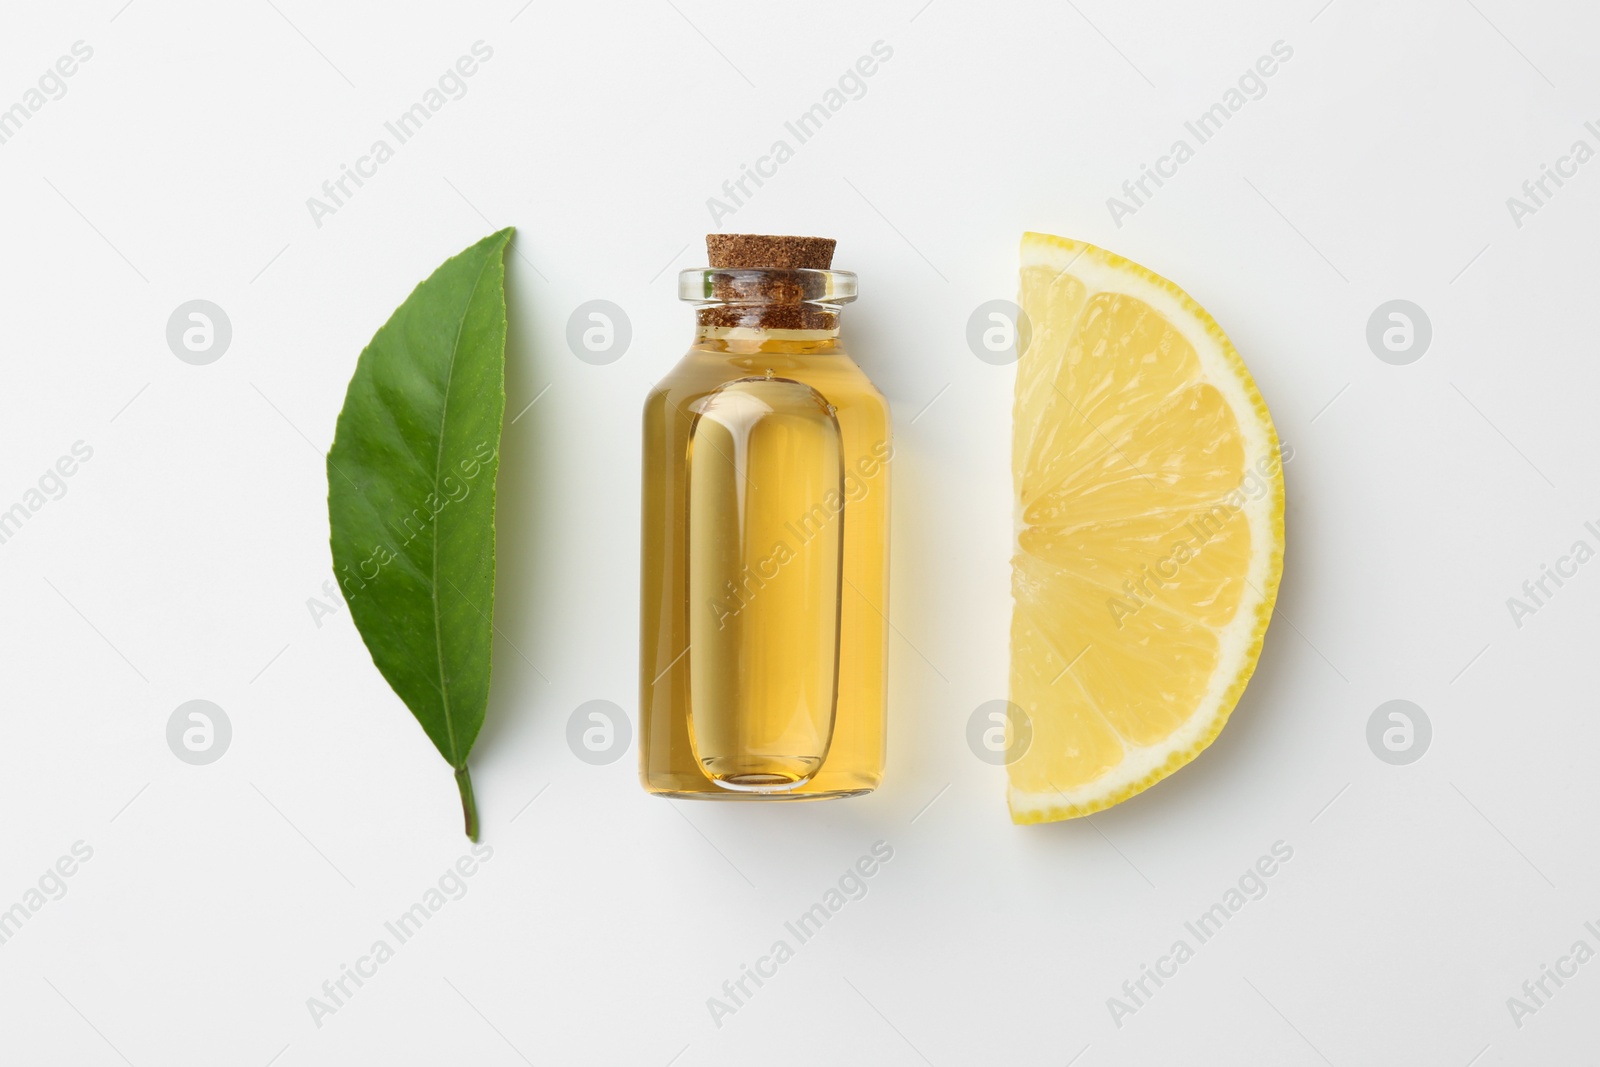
(1149, 531)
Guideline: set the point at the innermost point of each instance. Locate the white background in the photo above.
(181, 560)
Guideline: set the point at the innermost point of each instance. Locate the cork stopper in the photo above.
(777, 298)
(752, 251)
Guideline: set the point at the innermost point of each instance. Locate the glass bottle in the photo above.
(764, 572)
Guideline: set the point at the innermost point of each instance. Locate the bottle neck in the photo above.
(744, 340)
(809, 318)
(768, 300)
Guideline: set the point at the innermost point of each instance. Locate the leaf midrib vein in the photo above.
(438, 460)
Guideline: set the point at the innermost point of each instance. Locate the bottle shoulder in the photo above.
(834, 374)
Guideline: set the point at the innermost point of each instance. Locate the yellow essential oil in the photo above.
(765, 540)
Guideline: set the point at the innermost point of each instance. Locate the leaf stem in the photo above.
(469, 803)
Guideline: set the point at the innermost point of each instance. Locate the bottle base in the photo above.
(744, 795)
(826, 785)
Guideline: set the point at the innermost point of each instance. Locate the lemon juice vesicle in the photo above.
(764, 571)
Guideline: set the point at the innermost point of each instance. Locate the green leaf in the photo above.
(411, 492)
